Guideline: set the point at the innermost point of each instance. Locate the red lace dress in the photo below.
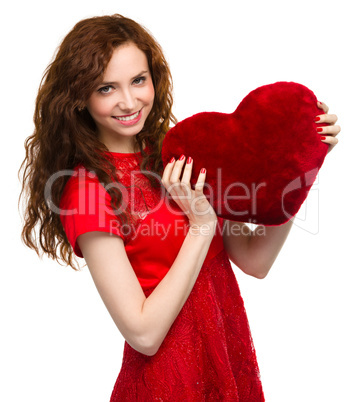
(208, 353)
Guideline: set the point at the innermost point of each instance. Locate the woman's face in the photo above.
(124, 99)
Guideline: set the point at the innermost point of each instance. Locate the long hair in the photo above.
(65, 134)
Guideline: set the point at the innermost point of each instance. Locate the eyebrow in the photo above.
(114, 82)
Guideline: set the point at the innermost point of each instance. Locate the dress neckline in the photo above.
(124, 153)
(128, 154)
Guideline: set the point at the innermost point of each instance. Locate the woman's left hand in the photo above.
(331, 131)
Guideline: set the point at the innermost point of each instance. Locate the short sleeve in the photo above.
(85, 206)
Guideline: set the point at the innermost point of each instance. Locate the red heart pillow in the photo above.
(261, 160)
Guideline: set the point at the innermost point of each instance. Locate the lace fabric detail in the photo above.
(208, 353)
(139, 197)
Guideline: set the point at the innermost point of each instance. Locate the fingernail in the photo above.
(319, 129)
(203, 170)
(323, 137)
(172, 160)
(182, 157)
(317, 118)
(189, 160)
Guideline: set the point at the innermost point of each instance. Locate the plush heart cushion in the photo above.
(261, 160)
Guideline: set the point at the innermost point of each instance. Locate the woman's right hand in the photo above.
(192, 202)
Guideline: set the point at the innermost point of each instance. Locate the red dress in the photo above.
(208, 353)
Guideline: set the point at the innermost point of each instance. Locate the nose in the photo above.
(127, 101)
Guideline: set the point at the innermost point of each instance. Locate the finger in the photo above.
(331, 130)
(199, 186)
(177, 168)
(326, 118)
(167, 173)
(330, 140)
(187, 171)
(323, 106)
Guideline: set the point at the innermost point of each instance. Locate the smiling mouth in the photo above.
(129, 117)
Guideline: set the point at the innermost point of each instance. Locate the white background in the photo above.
(58, 342)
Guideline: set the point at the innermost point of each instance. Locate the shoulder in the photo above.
(85, 206)
(81, 183)
(80, 175)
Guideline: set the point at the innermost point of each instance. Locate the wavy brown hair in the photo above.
(65, 134)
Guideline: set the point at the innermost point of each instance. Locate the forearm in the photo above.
(254, 251)
(143, 322)
(161, 308)
(264, 246)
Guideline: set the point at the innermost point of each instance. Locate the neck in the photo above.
(131, 147)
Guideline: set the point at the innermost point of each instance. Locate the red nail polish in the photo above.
(319, 129)
(182, 157)
(203, 170)
(323, 137)
(317, 118)
(189, 159)
(172, 160)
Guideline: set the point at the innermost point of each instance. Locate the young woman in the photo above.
(92, 173)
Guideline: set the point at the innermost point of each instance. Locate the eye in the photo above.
(139, 80)
(105, 90)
